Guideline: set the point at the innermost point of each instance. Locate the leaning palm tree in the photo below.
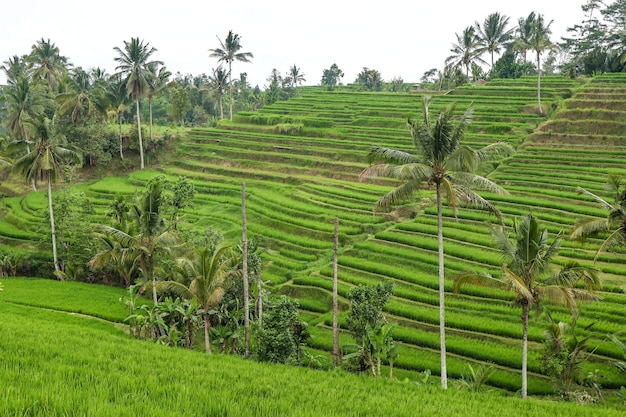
(440, 161)
(540, 42)
(493, 34)
(134, 62)
(45, 162)
(615, 222)
(205, 277)
(466, 51)
(527, 271)
(229, 52)
(159, 75)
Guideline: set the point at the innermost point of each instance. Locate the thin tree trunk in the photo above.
(150, 105)
(335, 298)
(53, 232)
(442, 326)
(221, 108)
(246, 290)
(259, 285)
(207, 328)
(525, 315)
(119, 119)
(150, 271)
(539, 84)
(230, 91)
(139, 134)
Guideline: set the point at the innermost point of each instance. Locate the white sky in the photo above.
(396, 37)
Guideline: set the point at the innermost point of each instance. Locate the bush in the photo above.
(283, 334)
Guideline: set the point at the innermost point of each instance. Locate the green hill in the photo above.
(301, 159)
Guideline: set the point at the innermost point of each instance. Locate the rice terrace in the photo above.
(289, 259)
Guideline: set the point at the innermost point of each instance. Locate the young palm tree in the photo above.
(205, 275)
(117, 98)
(159, 75)
(440, 161)
(141, 244)
(540, 42)
(466, 51)
(493, 34)
(218, 82)
(47, 63)
(229, 52)
(615, 222)
(527, 271)
(134, 62)
(45, 162)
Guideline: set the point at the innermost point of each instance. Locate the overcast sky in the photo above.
(401, 38)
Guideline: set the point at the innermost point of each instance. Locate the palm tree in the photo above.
(615, 222)
(81, 96)
(229, 52)
(528, 260)
(14, 68)
(524, 34)
(442, 161)
(159, 76)
(24, 101)
(494, 34)
(45, 161)
(118, 102)
(466, 51)
(217, 84)
(295, 77)
(47, 63)
(206, 276)
(134, 62)
(540, 42)
(140, 244)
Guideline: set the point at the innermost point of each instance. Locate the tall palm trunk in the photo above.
(335, 298)
(525, 316)
(230, 91)
(539, 84)
(52, 230)
(221, 108)
(246, 290)
(119, 120)
(442, 326)
(150, 106)
(207, 328)
(259, 286)
(139, 135)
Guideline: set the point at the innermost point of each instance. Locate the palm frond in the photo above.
(398, 194)
(475, 278)
(588, 227)
(392, 156)
(603, 203)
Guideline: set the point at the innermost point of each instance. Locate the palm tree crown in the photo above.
(493, 34)
(466, 51)
(47, 63)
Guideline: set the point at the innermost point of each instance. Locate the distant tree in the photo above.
(508, 67)
(14, 68)
(494, 34)
(157, 83)
(527, 271)
(229, 52)
(46, 162)
(540, 42)
(82, 97)
(466, 51)
(440, 161)
(369, 79)
(397, 85)
(524, 34)
(218, 82)
(295, 77)
(46, 62)
(134, 63)
(180, 104)
(118, 101)
(331, 77)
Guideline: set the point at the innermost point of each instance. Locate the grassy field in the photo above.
(57, 363)
(301, 159)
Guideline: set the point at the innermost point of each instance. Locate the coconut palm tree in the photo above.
(45, 162)
(615, 222)
(204, 277)
(25, 100)
(524, 34)
(47, 63)
(540, 42)
(493, 34)
(466, 51)
(218, 82)
(159, 76)
(229, 52)
(134, 62)
(81, 96)
(118, 102)
(440, 161)
(141, 243)
(527, 271)
(14, 68)
(295, 77)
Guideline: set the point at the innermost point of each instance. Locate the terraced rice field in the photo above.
(298, 182)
